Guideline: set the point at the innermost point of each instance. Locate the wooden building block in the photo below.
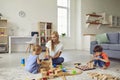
(44, 73)
(77, 64)
(64, 78)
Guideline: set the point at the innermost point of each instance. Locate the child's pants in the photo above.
(58, 61)
(99, 62)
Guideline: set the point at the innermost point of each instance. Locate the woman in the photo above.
(54, 49)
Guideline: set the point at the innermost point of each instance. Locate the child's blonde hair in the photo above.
(37, 48)
(57, 35)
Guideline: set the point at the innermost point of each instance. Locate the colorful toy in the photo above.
(74, 72)
(64, 69)
(22, 62)
(77, 64)
(54, 65)
(50, 71)
(61, 66)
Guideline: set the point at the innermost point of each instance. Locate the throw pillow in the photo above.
(102, 38)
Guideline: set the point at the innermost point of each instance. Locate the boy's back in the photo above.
(105, 56)
(31, 64)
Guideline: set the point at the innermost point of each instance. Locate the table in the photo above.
(18, 40)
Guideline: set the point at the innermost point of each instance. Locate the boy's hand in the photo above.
(97, 58)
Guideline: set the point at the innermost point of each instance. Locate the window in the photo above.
(63, 7)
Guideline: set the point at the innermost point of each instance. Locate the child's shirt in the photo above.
(105, 56)
(31, 64)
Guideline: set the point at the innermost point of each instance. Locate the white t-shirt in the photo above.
(58, 47)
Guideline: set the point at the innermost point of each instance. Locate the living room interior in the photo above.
(22, 17)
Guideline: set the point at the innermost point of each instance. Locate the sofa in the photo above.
(111, 47)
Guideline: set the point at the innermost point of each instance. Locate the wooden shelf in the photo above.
(93, 19)
(93, 15)
(98, 25)
(3, 20)
(3, 43)
(89, 34)
(3, 35)
(3, 27)
(94, 23)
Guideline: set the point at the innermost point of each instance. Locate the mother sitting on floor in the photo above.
(54, 49)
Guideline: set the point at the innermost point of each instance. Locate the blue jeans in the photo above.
(99, 62)
(58, 60)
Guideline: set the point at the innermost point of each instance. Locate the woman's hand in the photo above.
(48, 56)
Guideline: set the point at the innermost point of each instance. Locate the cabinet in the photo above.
(45, 29)
(87, 38)
(93, 19)
(3, 36)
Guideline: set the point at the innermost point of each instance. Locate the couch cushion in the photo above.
(113, 53)
(114, 46)
(102, 38)
(119, 37)
(113, 38)
(105, 46)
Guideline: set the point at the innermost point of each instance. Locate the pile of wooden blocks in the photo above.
(89, 66)
(98, 76)
(49, 71)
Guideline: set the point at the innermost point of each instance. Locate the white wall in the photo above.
(78, 25)
(36, 11)
(46, 10)
(111, 7)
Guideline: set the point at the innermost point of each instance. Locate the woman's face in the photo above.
(54, 38)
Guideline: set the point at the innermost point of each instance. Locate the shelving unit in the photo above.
(45, 29)
(114, 21)
(102, 19)
(93, 19)
(3, 36)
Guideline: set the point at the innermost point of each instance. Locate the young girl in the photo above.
(54, 49)
(33, 61)
(100, 57)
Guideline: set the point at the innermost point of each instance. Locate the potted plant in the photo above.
(63, 34)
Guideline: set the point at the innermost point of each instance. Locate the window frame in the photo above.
(67, 8)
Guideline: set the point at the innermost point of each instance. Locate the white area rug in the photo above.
(10, 68)
(19, 73)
